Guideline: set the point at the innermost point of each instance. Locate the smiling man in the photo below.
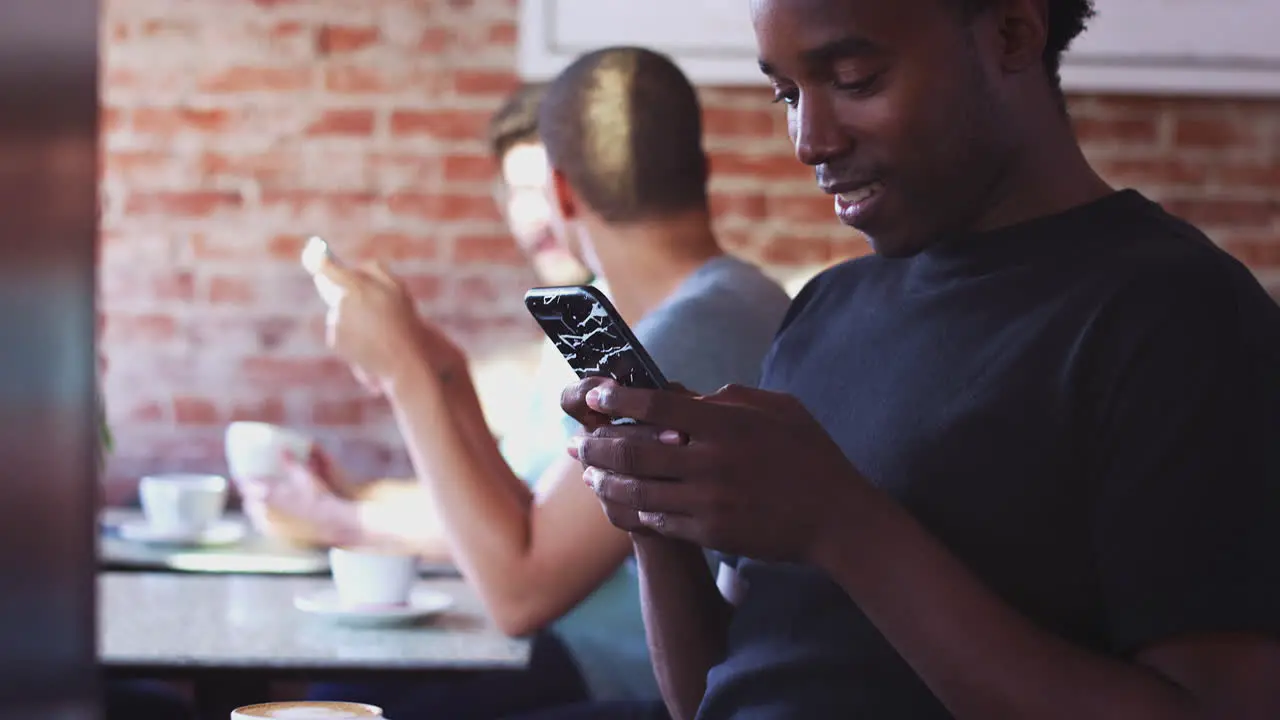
(1022, 462)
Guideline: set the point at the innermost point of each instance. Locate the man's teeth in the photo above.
(856, 196)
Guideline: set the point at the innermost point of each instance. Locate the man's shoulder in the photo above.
(732, 293)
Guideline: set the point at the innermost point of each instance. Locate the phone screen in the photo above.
(592, 336)
(314, 255)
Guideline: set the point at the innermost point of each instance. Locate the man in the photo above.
(1019, 463)
(627, 184)
(320, 505)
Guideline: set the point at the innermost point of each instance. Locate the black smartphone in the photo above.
(592, 336)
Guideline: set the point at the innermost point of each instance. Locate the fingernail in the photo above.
(670, 437)
(591, 477)
(593, 397)
(575, 447)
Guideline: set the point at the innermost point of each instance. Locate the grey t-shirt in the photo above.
(717, 327)
(713, 331)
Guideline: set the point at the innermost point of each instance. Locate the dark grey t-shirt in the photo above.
(713, 331)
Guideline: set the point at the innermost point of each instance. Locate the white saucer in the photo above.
(223, 532)
(423, 603)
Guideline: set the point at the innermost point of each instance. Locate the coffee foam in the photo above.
(308, 711)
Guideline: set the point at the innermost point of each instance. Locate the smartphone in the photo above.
(314, 254)
(592, 336)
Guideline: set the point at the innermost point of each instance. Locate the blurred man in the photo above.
(626, 183)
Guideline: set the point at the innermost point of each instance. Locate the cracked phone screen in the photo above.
(593, 342)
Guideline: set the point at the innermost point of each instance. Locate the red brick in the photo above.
(286, 247)
(1140, 130)
(277, 372)
(168, 28)
(272, 167)
(165, 121)
(358, 80)
(392, 247)
(750, 206)
(142, 413)
(798, 250)
(736, 122)
(111, 119)
(1225, 212)
(235, 247)
(423, 287)
(481, 82)
(137, 166)
(443, 207)
(809, 207)
(159, 286)
(436, 40)
(336, 204)
(285, 30)
(503, 33)
(1259, 250)
(143, 328)
(1154, 171)
(487, 249)
(340, 413)
(440, 124)
(469, 168)
(344, 122)
(245, 79)
(336, 39)
(230, 290)
(1212, 133)
(195, 411)
(179, 204)
(780, 166)
(476, 289)
(1254, 175)
(269, 410)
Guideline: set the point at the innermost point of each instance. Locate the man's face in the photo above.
(893, 106)
(523, 198)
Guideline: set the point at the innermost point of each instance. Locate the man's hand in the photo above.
(373, 325)
(743, 471)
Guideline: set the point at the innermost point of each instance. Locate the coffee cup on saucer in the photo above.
(371, 578)
(307, 710)
(182, 504)
(257, 449)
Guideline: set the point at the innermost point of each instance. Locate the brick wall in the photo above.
(234, 128)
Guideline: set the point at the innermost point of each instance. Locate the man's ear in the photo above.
(563, 197)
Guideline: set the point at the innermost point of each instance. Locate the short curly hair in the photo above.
(1067, 19)
(625, 127)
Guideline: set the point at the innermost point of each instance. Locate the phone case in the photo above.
(592, 336)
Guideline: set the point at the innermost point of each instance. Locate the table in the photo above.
(233, 634)
(254, 554)
(165, 621)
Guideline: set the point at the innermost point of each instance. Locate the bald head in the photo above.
(624, 126)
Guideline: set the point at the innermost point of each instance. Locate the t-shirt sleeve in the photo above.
(1187, 459)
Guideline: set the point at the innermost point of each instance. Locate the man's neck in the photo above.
(644, 264)
(1049, 175)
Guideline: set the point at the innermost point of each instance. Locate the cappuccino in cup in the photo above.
(302, 710)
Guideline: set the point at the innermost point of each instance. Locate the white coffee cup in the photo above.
(307, 710)
(256, 449)
(372, 577)
(182, 503)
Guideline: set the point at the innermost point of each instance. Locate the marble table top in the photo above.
(196, 621)
(255, 554)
